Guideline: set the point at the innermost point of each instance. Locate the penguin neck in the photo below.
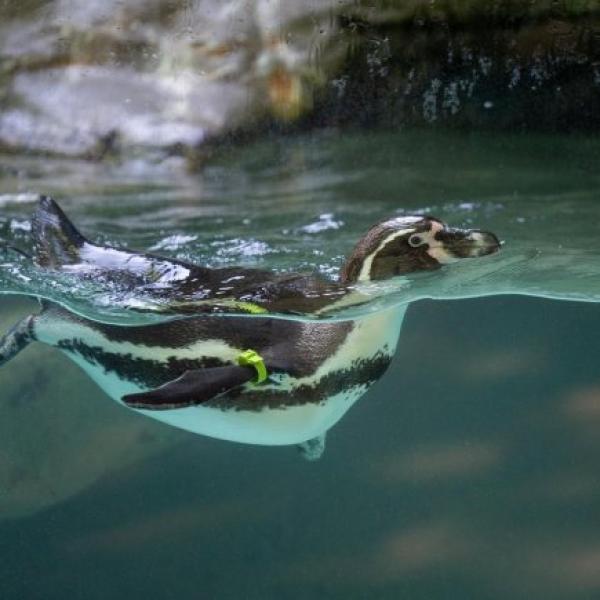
(359, 264)
(351, 271)
(358, 268)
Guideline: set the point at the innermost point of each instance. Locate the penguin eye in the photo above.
(415, 241)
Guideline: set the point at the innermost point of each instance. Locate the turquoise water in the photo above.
(469, 471)
(301, 205)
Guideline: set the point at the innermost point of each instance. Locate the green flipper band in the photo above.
(250, 307)
(251, 358)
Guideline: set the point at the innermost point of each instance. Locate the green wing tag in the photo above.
(251, 358)
(250, 307)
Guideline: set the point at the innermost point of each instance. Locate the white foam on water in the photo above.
(7, 199)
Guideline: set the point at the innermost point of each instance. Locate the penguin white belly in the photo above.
(289, 424)
(269, 426)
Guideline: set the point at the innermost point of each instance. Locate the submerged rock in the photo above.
(56, 443)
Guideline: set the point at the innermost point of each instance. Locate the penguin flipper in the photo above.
(192, 388)
(312, 449)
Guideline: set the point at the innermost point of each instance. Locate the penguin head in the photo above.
(413, 243)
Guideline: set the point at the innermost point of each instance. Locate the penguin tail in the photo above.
(56, 240)
(16, 339)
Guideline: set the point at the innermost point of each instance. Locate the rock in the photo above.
(104, 78)
(504, 65)
(94, 78)
(60, 433)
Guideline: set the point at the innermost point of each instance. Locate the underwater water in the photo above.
(469, 470)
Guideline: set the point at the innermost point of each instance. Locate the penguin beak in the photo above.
(467, 243)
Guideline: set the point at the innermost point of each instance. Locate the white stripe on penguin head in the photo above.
(365, 272)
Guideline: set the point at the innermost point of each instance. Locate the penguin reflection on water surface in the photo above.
(258, 380)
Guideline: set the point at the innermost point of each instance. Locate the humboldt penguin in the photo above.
(395, 246)
(256, 380)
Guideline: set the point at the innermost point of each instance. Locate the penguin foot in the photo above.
(312, 449)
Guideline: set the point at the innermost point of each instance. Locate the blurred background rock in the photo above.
(97, 79)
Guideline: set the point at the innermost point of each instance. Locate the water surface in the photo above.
(302, 205)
